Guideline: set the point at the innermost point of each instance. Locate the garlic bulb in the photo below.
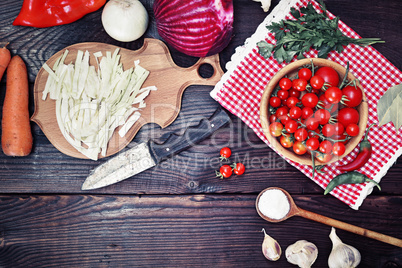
(342, 255)
(302, 253)
(271, 248)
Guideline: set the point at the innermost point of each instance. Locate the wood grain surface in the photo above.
(179, 214)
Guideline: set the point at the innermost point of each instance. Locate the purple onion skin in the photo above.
(196, 28)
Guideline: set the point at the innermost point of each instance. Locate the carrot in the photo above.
(5, 57)
(16, 139)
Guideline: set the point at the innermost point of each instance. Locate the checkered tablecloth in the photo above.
(241, 88)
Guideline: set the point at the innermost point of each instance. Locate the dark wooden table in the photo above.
(179, 214)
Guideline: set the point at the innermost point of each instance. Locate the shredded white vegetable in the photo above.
(91, 104)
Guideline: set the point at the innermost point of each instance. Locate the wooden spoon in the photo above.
(296, 211)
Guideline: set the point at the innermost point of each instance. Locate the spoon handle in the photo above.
(349, 227)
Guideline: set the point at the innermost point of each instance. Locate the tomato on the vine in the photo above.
(292, 102)
(329, 75)
(272, 118)
(285, 83)
(276, 129)
(353, 94)
(331, 107)
(294, 93)
(325, 147)
(282, 94)
(225, 153)
(291, 126)
(333, 95)
(352, 130)
(295, 112)
(323, 158)
(275, 101)
(299, 148)
(312, 144)
(301, 134)
(328, 130)
(309, 100)
(224, 172)
(313, 134)
(317, 82)
(306, 112)
(238, 168)
(347, 116)
(338, 148)
(305, 73)
(311, 123)
(339, 129)
(299, 84)
(286, 140)
(322, 116)
(281, 111)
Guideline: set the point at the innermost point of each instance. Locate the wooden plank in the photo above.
(175, 231)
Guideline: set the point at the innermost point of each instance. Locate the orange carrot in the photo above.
(16, 139)
(5, 57)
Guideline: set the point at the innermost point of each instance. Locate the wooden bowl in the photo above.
(291, 71)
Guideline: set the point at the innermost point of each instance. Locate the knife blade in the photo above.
(148, 154)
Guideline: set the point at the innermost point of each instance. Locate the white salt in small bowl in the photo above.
(273, 203)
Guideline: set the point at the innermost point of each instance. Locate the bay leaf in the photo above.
(389, 107)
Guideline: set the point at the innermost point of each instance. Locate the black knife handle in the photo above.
(177, 143)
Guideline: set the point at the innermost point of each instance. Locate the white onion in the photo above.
(125, 20)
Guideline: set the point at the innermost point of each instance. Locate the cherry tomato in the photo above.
(291, 126)
(305, 73)
(322, 116)
(338, 148)
(283, 94)
(301, 134)
(299, 84)
(328, 130)
(331, 107)
(295, 112)
(285, 119)
(354, 96)
(292, 101)
(333, 95)
(224, 172)
(309, 100)
(338, 129)
(272, 118)
(352, 130)
(299, 148)
(312, 144)
(313, 134)
(317, 82)
(281, 111)
(329, 75)
(225, 153)
(275, 129)
(306, 112)
(325, 147)
(323, 158)
(294, 93)
(286, 141)
(285, 83)
(311, 123)
(342, 137)
(238, 168)
(347, 116)
(275, 101)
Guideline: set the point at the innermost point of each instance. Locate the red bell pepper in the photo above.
(47, 13)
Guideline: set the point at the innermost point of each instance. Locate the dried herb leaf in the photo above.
(389, 107)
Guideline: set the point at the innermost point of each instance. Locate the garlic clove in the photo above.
(302, 253)
(271, 248)
(342, 255)
(265, 4)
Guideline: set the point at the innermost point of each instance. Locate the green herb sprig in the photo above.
(310, 29)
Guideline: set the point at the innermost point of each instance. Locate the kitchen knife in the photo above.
(148, 154)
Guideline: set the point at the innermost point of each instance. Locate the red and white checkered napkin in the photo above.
(241, 88)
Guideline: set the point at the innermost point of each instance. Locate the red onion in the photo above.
(197, 28)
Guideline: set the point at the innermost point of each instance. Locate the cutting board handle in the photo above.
(213, 61)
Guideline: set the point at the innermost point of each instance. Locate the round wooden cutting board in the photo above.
(162, 105)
